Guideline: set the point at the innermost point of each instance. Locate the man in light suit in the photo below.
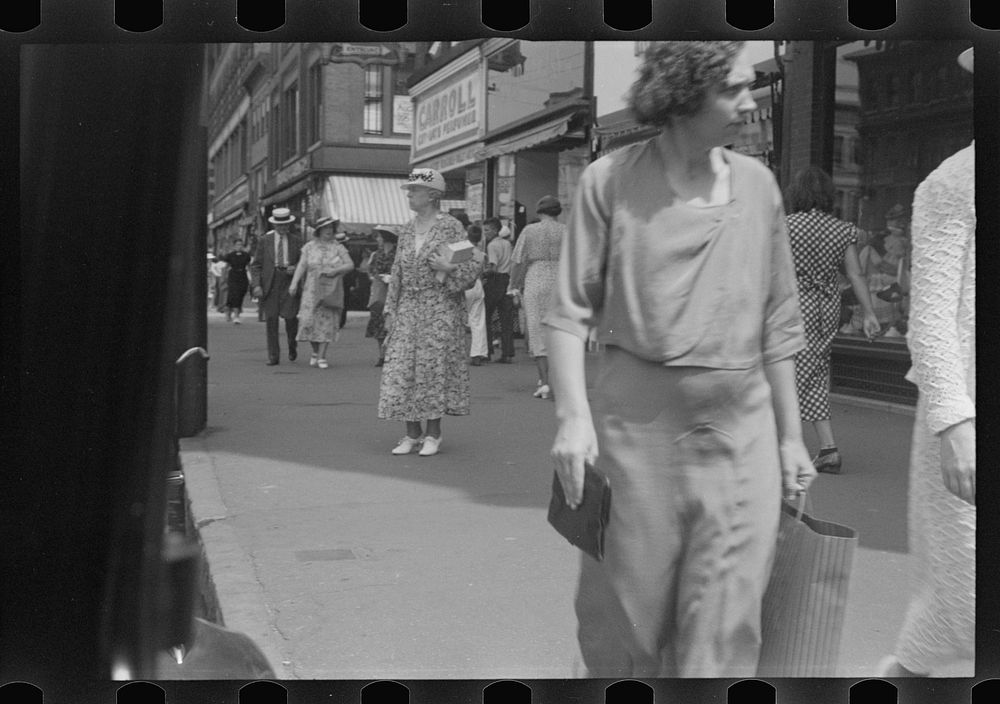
(271, 273)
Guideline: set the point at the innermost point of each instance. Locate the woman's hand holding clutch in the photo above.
(575, 445)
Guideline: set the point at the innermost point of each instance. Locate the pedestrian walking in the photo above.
(271, 271)
(237, 281)
(495, 281)
(676, 251)
(939, 629)
(820, 243)
(220, 280)
(535, 267)
(475, 306)
(322, 265)
(379, 267)
(425, 375)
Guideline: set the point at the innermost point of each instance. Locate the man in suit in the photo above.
(274, 262)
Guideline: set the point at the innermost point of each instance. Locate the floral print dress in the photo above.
(380, 263)
(316, 323)
(426, 373)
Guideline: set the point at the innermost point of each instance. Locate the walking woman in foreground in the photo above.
(820, 242)
(426, 372)
(677, 253)
(939, 630)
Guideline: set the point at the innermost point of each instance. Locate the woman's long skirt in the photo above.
(940, 626)
(692, 455)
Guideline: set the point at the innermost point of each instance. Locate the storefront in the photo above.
(538, 113)
(505, 121)
(229, 218)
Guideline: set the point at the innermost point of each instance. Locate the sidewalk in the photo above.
(344, 562)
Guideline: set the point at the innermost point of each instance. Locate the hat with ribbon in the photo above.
(325, 222)
(281, 216)
(427, 178)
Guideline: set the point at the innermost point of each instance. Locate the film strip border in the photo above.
(244, 20)
(872, 691)
(38, 21)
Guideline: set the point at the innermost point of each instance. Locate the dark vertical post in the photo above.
(188, 294)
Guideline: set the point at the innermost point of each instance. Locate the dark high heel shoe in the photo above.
(380, 362)
(828, 463)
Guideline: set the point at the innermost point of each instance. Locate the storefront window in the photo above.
(524, 78)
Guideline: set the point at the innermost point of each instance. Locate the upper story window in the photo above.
(374, 95)
(314, 91)
(290, 122)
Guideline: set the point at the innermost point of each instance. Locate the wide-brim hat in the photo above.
(325, 222)
(281, 216)
(548, 203)
(965, 59)
(425, 178)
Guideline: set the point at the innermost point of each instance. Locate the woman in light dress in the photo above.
(322, 265)
(676, 252)
(939, 630)
(535, 269)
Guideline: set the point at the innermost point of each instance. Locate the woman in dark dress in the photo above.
(237, 280)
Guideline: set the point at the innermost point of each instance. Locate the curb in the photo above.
(873, 404)
(232, 592)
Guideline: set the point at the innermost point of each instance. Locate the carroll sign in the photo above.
(449, 114)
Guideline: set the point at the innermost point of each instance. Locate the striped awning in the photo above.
(366, 200)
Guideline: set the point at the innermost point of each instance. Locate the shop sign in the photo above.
(292, 171)
(453, 159)
(402, 114)
(362, 54)
(474, 201)
(448, 114)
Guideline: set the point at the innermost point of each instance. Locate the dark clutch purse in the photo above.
(583, 527)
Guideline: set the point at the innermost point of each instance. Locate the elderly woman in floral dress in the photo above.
(426, 374)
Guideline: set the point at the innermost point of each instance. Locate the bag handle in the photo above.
(800, 508)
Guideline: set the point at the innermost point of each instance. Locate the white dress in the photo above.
(939, 629)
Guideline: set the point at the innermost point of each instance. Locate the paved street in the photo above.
(344, 562)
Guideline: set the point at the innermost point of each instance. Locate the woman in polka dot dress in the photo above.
(820, 243)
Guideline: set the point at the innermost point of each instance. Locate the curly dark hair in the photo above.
(812, 188)
(675, 78)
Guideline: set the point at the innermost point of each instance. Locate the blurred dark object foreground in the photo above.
(109, 275)
(214, 653)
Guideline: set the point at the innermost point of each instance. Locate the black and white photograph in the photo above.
(503, 359)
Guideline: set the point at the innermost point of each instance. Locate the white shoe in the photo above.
(543, 391)
(431, 445)
(236, 320)
(313, 360)
(406, 445)
(323, 364)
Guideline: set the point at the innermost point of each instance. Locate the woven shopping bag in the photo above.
(803, 609)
